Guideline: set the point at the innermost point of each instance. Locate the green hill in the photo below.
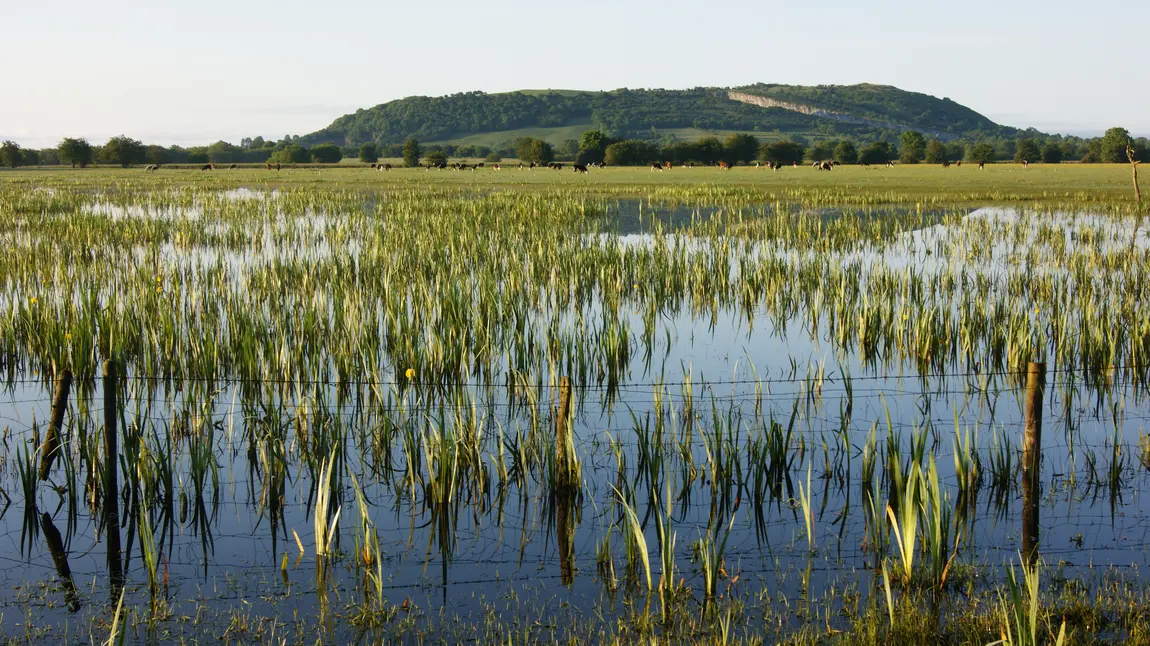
(860, 111)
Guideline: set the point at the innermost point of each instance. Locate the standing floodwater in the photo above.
(310, 411)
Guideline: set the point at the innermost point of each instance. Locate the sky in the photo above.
(196, 71)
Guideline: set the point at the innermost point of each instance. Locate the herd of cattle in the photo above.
(578, 168)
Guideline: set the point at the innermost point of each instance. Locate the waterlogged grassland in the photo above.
(796, 405)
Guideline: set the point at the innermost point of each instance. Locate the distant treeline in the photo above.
(595, 146)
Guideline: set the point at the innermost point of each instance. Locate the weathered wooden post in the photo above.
(1032, 458)
(111, 466)
(563, 458)
(51, 444)
(1134, 171)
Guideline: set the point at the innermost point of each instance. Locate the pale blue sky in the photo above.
(196, 71)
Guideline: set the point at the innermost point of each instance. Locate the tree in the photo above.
(569, 148)
(326, 154)
(493, 158)
(1052, 154)
(411, 153)
(369, 153)
(123, 150)
(846, 153)
(10, 154)
(630, 153)
(75, 151)
(291, 154)
(935, 152)
(29, 156)
(593, 146)
(742, 148)
(1114, 146)
(879, 152)
(1027, 150)
(1093, 152)
(435, 157)
(782, 152)
(982, 153)
(49, 157)
(822, 150)
(913, 146)
(156, 155)
(529, 149)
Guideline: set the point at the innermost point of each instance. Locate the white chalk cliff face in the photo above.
(767, 102)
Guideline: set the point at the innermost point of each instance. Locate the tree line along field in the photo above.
(998, 183)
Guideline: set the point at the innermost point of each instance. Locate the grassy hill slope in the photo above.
(860, 111)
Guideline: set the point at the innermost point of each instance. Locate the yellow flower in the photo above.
(67, 336)
(906, 317)
(33, 301)
(410, 373)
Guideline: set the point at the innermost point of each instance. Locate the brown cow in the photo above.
(724, 166)
(206, 167)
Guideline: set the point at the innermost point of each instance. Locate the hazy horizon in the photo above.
(195, 74)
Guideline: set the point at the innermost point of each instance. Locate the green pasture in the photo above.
(997, 184)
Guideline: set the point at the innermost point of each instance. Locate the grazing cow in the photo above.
(268, 165)
(958, 163)
(580, 168)
(555, 166)
(495, 167)
(945, 164)
(667, 165)
(383, 167)
(1026, 163)
(724, 166)
(825, 166)
(373, 166)
(520, 165)
(981, 165)
(656, 166)
(206, 167)
(232, 167)
(479, 165)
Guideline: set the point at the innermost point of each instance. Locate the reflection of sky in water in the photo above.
(510, 547)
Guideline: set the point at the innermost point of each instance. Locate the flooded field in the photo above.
(448, 415)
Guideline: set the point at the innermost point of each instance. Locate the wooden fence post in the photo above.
(1032, 458)
(111, 467)
(51, 444)
(562, 435)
